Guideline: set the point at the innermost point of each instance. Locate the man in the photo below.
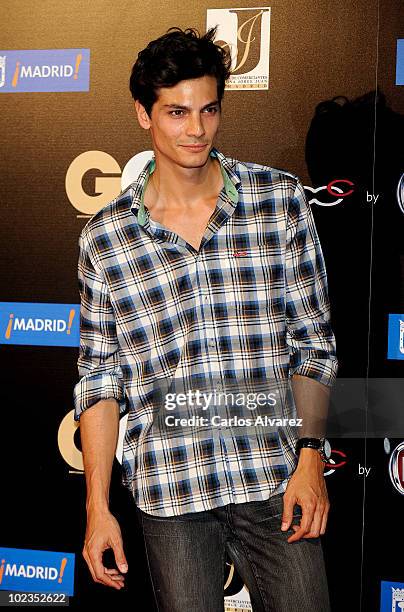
(205, 269)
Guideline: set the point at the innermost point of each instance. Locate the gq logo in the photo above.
(245, 34)
(107, 186)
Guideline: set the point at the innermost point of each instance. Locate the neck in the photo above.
(185, 186)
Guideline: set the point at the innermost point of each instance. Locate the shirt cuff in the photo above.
(324, 371)
(95, 387)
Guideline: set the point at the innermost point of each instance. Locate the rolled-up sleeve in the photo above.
(309, 335)
(98, 362)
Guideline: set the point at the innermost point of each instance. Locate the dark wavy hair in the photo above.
(174, 57)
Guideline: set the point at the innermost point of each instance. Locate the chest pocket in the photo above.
(250, 279)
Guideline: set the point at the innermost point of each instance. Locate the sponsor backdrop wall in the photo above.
(303, 98)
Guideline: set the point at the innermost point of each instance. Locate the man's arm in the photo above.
(313, 363)
(311, 400)
(99, 426)
(309, 334)
(307, 485)
(98, 362)
(99, 398)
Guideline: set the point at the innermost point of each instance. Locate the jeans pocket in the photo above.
(270, 511)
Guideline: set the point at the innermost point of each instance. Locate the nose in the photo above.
(195, 125)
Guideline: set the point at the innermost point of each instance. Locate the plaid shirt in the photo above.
(252, 301)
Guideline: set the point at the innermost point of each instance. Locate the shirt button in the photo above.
(206, 298)
(211, 343)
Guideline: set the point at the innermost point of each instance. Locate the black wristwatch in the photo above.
(322, 445)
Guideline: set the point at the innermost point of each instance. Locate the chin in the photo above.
(195, 160)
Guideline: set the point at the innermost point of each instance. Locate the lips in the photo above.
(195, 147)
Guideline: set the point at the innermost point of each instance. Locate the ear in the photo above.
(142, 116)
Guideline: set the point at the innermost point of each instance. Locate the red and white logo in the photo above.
(332, 189)
(396, 468)
(337, 460)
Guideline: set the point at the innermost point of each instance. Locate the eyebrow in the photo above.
(215, 102)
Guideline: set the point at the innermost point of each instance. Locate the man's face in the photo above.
(184, 121)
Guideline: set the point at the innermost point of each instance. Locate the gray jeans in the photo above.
(186, 557)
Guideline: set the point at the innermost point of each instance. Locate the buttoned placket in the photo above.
(226, 203)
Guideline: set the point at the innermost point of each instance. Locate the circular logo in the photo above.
(400, 193)
(396, 468)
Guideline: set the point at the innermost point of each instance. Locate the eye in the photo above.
(211, 110)
(176, 113)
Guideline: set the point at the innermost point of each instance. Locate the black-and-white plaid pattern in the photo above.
(251, 303)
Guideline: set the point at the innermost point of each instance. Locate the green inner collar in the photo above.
(229, 187)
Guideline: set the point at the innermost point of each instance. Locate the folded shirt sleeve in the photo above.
(309, 334)
(99, 360)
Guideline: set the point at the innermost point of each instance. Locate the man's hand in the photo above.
(103, 532)
(307, 488)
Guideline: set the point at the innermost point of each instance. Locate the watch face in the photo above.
(327, 449)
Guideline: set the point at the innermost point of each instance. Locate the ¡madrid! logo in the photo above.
(44, 70)
(36, 571)
(39, 324)
(244, 32)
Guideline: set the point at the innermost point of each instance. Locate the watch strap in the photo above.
(309, 443)
(320, 444)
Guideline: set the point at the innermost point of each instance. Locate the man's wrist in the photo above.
(321, 445)
(100, 504)
(309, 453)
(309, 457)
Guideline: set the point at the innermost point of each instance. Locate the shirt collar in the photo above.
(230, 179)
